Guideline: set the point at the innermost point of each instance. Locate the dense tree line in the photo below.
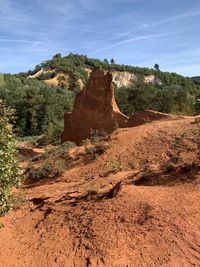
(39, 107)
(176, 99)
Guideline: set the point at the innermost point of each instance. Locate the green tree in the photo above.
(141, 97)
(112, 61)
(9, 169)
(122, 99)
(58, 55)
(156, 67)
(164, 99)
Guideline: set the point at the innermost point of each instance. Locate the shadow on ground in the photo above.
(174, 177)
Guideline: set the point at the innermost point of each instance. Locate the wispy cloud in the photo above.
(179, 17)
(133, 39)
(19, 41)
(60, 25)
(157, 23)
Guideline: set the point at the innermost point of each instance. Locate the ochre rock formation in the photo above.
(95, 108)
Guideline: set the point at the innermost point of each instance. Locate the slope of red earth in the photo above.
(153, 219)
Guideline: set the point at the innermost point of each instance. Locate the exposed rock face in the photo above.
(62, 80)
(152, 79)
(94, 109)
(126, 78)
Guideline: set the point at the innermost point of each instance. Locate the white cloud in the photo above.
(137, 38)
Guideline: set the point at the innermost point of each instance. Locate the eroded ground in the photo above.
(152, 219)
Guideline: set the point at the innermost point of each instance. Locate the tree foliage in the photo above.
(156, 67)
(9, 169)
(39, 107)
(176, 99)
(112, 61)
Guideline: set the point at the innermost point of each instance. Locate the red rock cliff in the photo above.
(94, 108)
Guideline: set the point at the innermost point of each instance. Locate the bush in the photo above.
(114, 165)
(169, 167)
(48, 170)
(97, 150)
(40, 173)
(51, 163)
(60, 151)
(9, 169)
(18, 200)
(97, 136)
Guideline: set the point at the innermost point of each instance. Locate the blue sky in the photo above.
(134, 32)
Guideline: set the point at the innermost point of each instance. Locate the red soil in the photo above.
(149, 116)
(154, 220)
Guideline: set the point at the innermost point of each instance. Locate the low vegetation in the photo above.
(114, 165)
(56, 152)
(46, 170)
(18, 200)
(49, 164)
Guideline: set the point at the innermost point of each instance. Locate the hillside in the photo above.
(72, 218)
(40, 97)
(69, 70)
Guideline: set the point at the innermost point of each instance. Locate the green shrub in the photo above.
(97, 150)
(9, 169)
(52, 163)
(169, 167)
(41, 172)
(114, 165)
(97, 135)
(60, 151)
(46, 76)
(48, 169)
(17, 200)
